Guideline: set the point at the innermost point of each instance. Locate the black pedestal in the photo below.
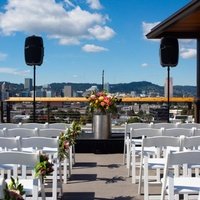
(113, 145)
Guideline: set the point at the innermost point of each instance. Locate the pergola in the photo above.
(183, 24)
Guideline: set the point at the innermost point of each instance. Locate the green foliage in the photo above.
(43, 168)
(14, 190)
(68, 138)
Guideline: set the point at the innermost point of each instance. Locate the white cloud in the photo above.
(147, 27)
(188, 53)
(68, 26)
(94, 4)
(101, 33)
(144, 65)
(91, 48)
(12, 71)
(3, 56)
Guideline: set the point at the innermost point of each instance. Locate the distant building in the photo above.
(67, 91)
(4, 91)
(107, 87)
(28, 84)
(170, 87)
(48, 93)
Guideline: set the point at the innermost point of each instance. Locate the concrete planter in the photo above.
(101, 126)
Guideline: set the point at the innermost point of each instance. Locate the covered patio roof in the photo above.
(185, 23)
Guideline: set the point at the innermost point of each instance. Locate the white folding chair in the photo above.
(22, 132)
(156, 163)
(127, 130)
(8, 144)
(135, 147)
(192, 143)
(184, 184)
(49, 146)
(32, 186)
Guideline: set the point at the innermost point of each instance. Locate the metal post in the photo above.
(168, 93)
(197, 102)
(2, 111)
(34, 105)
(8, 111)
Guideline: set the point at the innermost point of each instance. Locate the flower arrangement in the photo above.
(103, 102)
(67, 139)
(44, 167)
(14, 190)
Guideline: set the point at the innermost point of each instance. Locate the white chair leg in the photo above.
(146, 184)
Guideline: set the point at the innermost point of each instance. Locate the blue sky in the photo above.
(84, 37)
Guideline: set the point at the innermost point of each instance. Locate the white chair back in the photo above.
(196, 132)
(9, 125)
(164, 125)
(148, 132)
(50, 132)
(62, 126)
(188, 125)
(39, 143)
(34, 125)
(176, 132)
(9, 143)
(22, 132)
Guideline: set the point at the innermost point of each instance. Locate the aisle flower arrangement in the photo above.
(14, 190)
(67, 139)
(44, 167)
(103, 102)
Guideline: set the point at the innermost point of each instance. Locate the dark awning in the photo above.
(185, 23)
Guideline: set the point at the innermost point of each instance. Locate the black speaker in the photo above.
(34, 50)
(169, 52)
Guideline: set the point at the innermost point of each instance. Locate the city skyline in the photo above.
(83, 38)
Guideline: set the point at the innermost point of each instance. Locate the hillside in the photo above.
(138, 87)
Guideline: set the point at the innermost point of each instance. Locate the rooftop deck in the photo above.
(101, 177)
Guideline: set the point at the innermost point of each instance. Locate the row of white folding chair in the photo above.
(182, 143)
(46, 145)
(134, 149)
(48, 132)
(130, 126)
(57, 125)
(24, 132)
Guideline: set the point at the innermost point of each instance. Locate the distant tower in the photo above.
(67, 91)
(28, 84)
(170, 87)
